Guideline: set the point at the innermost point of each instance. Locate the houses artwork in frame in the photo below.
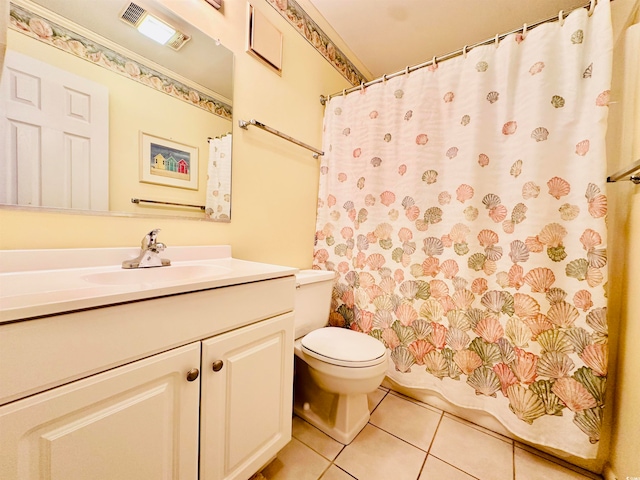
(165, 162)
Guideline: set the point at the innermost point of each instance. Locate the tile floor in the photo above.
(409, 440)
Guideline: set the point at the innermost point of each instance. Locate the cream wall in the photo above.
(274, 183)
(624, 238)
(4, 18)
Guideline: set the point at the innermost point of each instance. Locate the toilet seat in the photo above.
(343, 347)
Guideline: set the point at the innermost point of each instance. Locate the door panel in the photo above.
(58, 123)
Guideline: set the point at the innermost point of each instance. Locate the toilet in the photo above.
(335, 368)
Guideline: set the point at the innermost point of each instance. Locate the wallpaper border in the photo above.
(310, 30)
(24, 21)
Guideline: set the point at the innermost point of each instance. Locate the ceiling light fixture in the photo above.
(153, 27)
(156, 29)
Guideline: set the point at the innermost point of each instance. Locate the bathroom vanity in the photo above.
(180, 372)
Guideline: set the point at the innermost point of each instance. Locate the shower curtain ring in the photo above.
(561, 17)
(524, 30)
(497, 39)
(434, 61)
(344, 92)
(384, 78)
(362, 86)
(406, 70)
(592, 4)
(464, 51)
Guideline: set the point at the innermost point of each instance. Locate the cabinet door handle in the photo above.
(192, 374)
(217, 365)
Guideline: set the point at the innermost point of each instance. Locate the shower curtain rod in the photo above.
(456, 53)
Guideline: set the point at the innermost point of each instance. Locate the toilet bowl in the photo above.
(335, 368)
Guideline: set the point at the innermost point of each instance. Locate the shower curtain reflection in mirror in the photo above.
(218, 205)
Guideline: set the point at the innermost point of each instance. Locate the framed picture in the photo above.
(165, 162)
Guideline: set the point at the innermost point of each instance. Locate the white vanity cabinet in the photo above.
(105, 393)
(139, 421)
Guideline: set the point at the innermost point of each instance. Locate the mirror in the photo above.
(168, 112)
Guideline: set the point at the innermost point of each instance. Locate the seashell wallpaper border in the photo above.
(310, 30)
(35, 26)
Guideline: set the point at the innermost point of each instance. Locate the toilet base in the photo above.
(350, 419)
(341, 417)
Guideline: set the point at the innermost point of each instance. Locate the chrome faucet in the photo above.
(149, 256)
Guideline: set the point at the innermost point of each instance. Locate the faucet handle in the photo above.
(149, 240)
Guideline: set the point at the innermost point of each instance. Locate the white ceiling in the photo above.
(388, 35)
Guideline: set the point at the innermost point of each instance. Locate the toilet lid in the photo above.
(340, 346)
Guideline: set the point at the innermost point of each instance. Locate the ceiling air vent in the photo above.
(134, 15)
(178, 40)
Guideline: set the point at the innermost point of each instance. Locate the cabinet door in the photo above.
(135, 422)
(246, 405)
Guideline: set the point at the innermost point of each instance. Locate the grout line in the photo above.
(423, 464)
(556, 461)
(322, 433)
(457, 468)
(439, 412)
(416, 402)
(480, 428)
(342, 469)
(399, 438)
(378, 404)
(433, 439)
(325, 470)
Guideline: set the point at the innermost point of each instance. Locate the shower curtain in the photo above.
(218, 199)
(462, 207)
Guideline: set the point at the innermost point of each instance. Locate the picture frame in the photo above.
(169, 163)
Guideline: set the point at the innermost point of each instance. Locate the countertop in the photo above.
(36, 283)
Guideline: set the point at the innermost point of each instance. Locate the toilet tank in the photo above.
(312, 300)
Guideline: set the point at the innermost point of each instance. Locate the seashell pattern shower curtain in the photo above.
(463, 209)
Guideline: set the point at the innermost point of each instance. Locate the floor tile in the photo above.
(480, 428)
(472, 451)
(436, 469)
(557, 461)
(377, 455)
(296, 461)
(315, 439)
(408, 421)
(334, 473)
(532, 467)
(417, 402)
(375, 397)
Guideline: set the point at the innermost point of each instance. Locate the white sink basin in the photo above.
(154, 275)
